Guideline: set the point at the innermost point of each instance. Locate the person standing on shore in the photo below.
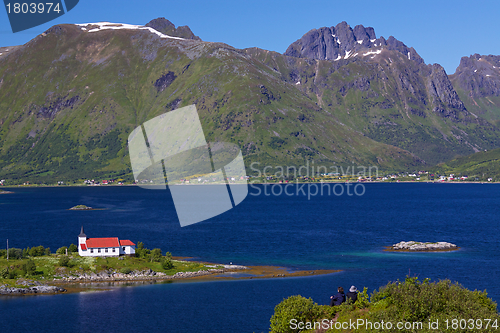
(339, 298)
(352, 294)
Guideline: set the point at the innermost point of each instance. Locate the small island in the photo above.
(81, 207)
(413, 246)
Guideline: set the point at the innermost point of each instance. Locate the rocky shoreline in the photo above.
(113, 275)
(413, 246)
(32, 287)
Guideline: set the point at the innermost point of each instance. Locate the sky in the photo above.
(441, 31)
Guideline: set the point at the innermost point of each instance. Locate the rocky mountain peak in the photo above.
(166, 27)
(479, 75)
(343, 42)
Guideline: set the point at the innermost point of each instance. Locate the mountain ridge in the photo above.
(90, 88)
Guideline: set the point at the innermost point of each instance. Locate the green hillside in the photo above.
(69, 99)
(481, 165)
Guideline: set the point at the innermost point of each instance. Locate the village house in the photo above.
(104, 247)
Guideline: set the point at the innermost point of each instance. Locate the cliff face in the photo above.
(341, 41)
(477, 81)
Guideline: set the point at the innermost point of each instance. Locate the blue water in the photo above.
(330, 232)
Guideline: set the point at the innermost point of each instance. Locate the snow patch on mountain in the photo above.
(119, 26)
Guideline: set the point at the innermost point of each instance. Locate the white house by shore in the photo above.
(104, 247)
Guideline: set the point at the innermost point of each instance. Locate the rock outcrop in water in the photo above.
(42, 289)
(81, 207)
(421, 246)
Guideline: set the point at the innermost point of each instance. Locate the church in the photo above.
(104, 247)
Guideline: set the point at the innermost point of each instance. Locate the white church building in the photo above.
(104, 247)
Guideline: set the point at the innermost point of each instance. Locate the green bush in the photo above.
(141, 251)
(64, 261)
(125, 270)
(72, 248)
(411, 301)
(298, 309)
(29, 268)
(155, 255)
(15, 253)
(167, 263)
(61, 250)
(414, 300)
(36, 251)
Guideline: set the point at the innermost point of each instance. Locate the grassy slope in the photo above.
(67, 114)
(482, 165)
(110, 75)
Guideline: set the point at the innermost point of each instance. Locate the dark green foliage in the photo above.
(125, 270)
(61, 250)
(167, 263)
(155, 255)
(141, 251)
(15, 253)
(299, 308)
(29, 268)
(414, 300)
(64, 261)
(276, 142)
(4, 273)
(3, 253)
(410, 301)
(47, 251)
(72, 248)
(36, 251)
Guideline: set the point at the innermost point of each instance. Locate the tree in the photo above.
(64, 261)
(29, 267)
(15, 253)
(167, 263)
(72, 248)
(141, 251)
(36, 251)
(155, 255)
(61, 250)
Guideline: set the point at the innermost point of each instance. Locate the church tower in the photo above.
(82, 238)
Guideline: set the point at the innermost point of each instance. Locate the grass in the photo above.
(48, 266)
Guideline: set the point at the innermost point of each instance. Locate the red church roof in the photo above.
(126, 242)
(84, 247)
(103, 242)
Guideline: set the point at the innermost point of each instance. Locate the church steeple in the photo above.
(82, 234)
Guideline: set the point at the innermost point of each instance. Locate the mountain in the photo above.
(477, 82)
(70, 97)
(166, 27)
(385, 90)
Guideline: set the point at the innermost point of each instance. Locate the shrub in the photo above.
(125, 270)
(15, 253)
(64, 261)
(300, 309)
(36, 251)
(410, 301)
(141, 251)
(61, 250)
(29, 268)
(414, 300)
(155, 255)
(3, 253)
(72, 248)
(167, 263)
